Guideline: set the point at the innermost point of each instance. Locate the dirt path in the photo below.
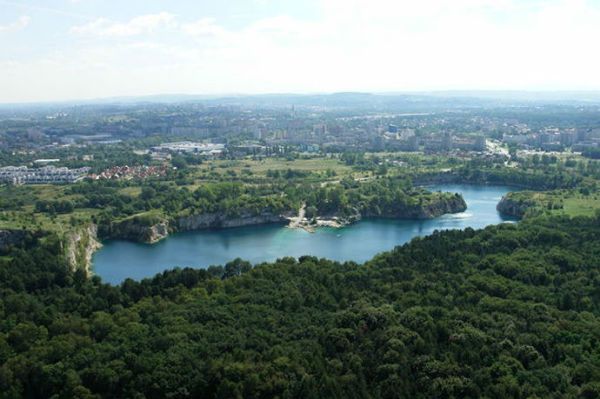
(295, 221)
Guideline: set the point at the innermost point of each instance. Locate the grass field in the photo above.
(131, 191)
(261, 167)
(563, 202)
(18, 203)
(586, 206)
(39, 221)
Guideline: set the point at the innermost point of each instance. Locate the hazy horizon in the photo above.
(592, 96)
(82, 50)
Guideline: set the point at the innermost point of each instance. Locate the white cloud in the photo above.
(375, 45)
(136, 26)
(204, 27)
(19, 24)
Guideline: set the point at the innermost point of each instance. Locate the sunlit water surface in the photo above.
(119, 259)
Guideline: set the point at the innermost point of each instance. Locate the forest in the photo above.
(107, 202)
(371, 185)
(508, 311)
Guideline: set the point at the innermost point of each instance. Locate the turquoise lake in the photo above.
(118, 260)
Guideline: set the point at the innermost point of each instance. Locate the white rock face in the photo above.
(208, 220)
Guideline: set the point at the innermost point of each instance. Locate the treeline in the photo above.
(386, 197)
(54, 206)
(226, 197)
(509, 311)
(593, 153)
(542, 179)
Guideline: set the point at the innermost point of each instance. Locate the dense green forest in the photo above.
(508, 311)
(107, 202)
(385, 197)
(379, 185)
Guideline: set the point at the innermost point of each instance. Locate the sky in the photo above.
(55, 50)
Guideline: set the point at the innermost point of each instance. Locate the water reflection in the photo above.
(121, 259)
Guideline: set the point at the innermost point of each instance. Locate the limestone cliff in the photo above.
(157, 232)
(439, 207)
(511, 206)
(434, 208)
(220, 220)
(151, 230)
(140, 229)
(79, 245)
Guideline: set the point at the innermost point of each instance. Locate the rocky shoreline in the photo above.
(81, 243)
(311, 224)
(219, 220)
(513, 207)
(153, 229)
(440, 207)
(79, 246)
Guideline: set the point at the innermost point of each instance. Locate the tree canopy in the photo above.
(508, 311)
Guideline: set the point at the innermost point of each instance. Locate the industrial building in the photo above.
(189, 147)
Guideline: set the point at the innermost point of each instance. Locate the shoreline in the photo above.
(311, 225)
(298, 221)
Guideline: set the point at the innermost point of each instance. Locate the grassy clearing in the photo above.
(562, 202)
(584, 206)
(261, 167)
(40, 221)
(131, 191)
(27, 195)
(150, 217)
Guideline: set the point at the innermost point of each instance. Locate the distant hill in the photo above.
(382, 101)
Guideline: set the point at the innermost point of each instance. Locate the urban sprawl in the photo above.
(75, 139)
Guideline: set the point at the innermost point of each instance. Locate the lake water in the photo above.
(118, 259)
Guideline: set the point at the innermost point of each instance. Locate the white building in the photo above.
(190, 147)
(45, 175)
